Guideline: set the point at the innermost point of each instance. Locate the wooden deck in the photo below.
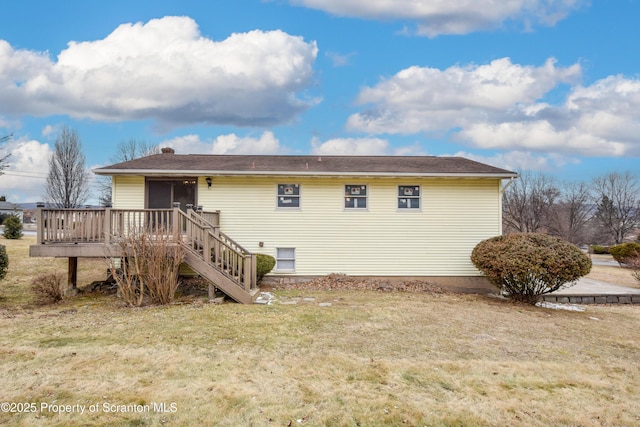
(97, 233)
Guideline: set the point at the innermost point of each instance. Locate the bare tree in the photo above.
(68, 179)
(572, 213)
(133, 149)
(527, 203)
(125, 151)
(618, 204)
(3, 159)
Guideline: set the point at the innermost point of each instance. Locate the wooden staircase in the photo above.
(216, 257)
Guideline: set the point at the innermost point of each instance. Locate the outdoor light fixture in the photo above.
(208, 179)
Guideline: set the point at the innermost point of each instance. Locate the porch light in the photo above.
(208, 179)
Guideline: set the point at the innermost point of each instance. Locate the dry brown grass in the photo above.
(371, 358)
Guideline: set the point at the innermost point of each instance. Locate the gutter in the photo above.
(161, 172)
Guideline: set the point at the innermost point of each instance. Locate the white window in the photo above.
(286, 259)
(355, 196)
(289, 196)
(408, 197)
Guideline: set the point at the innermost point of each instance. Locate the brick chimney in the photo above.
(168, 150)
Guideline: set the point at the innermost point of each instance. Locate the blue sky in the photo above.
(545, 85)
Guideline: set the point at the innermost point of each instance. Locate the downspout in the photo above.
(507, 185)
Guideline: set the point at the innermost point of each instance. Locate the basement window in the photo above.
(408, 197)
(288, 196)
(355, 196)
(286, 260)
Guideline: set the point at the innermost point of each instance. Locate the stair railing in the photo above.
(217, 249)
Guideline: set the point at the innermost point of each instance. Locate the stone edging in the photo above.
(594, 299)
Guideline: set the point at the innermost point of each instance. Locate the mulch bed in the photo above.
(335, 282)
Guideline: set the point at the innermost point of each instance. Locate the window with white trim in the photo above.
(408, 197)
(286, 259)
(289, 196)
(355, 196)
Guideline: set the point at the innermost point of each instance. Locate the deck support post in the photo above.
(39, 224)
(72, 278)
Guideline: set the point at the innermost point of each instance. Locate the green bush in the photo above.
(599, 249)
(265, 264)
(624, 251)
(4, 262)
(525, 266)
(12, 227)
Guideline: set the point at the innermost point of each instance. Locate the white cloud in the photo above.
(350, 146)
(167, 71)
(50, 130)
(267, 143)
(233, 144)
(187, 144)
(540, 136)
(361, 147)
(521, 160)
(5, 124)
(338, 59)
(24, 179)
(502, 105)
(435, 17)
(420, 99)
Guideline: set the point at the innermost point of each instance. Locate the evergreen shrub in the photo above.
(265, 264)
(525, 266)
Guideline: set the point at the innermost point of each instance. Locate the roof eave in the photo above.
(162, 172)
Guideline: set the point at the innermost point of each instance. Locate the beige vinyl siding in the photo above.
(435, 240)
(128, 192)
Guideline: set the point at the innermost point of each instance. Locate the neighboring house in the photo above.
(418, 216)
(8, 208)
(29, 216)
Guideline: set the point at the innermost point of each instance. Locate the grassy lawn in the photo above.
(369, 359)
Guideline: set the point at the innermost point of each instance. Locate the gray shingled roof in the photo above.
(204, 164)
(8, 206)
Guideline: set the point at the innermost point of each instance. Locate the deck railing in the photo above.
(71, 225)
(98, 225)
(200, 234)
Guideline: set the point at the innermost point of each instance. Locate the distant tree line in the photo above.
(605, 210)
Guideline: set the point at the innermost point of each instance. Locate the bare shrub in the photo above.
(162, 269)
(49, 287)
(124, 275)
(149, 265)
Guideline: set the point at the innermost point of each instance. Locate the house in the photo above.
(29, 216)
(396, 217)
(8, 208)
